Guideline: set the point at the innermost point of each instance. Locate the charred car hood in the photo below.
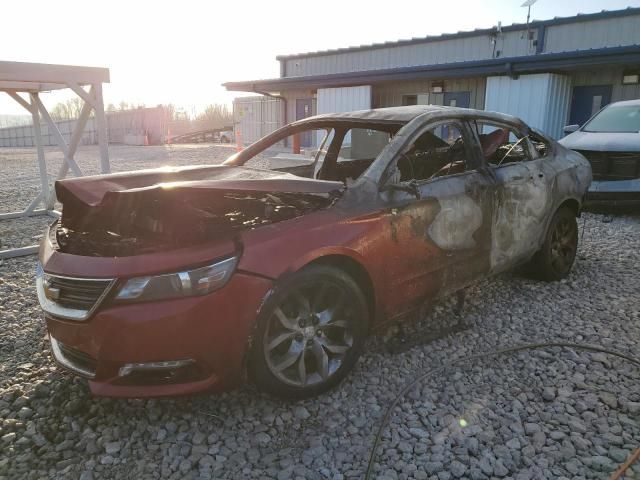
(602, 142)
(141, 212)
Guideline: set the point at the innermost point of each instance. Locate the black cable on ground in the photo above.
(442, 368)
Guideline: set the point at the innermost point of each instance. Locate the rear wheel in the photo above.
(555, 259)
(309, 334)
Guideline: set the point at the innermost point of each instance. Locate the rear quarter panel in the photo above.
(571, 177)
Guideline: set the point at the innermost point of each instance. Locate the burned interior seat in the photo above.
(490, 142)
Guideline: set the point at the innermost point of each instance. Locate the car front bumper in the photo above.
(621, 193)
(193, 344)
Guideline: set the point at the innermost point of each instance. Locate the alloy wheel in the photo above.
(309, 334)
(563, 245)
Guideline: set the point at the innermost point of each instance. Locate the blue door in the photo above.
(587, 101)
(455, 99)
(304, 109)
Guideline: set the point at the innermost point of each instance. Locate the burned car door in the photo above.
(522, 196)
(439, 206)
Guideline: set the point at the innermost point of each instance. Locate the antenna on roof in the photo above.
(528, 4)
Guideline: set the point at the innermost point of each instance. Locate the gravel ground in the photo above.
(548, 413)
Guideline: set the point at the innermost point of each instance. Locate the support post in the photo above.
(42, 164)
(101, 124)
(59, 138)
(73, 145)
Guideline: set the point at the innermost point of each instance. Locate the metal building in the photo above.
(549, 73)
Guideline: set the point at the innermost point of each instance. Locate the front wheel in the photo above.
(310, 333)
(555, 259)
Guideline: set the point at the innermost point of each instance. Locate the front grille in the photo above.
(613, 165)
(76, 293)
(70, 298)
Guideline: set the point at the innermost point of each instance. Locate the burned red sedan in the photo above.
(173, 281)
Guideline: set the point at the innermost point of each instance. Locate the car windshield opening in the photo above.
(336, 153)
(615, 119)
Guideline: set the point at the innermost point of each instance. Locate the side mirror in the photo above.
(571, 128)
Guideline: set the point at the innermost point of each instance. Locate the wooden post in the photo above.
(101, 124)
(42, 164)
(53, 128)
(76, 136)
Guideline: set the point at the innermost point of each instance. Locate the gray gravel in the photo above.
(552, 413)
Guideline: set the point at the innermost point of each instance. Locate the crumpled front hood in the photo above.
(144, 212)
(92, 190)
(602, 142)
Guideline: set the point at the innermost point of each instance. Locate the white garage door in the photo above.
(344, 99)
(541, 99)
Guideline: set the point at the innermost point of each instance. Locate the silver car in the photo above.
(610, 140)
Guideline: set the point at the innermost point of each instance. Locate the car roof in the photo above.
(394, 114)
(626, 103)
(402, 115)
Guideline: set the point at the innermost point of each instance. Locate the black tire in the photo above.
(555, 258)
(317, 317)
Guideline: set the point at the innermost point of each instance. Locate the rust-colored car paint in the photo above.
(390, 236)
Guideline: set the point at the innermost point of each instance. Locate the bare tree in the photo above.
(215, 116)
(67, 110)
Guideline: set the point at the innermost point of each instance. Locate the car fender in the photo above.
(318, 254)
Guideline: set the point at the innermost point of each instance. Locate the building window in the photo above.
(409, 100)
(630, 78)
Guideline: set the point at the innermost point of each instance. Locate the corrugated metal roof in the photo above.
(580, 17)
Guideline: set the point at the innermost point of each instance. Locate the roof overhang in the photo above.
(39, 77)
(513, 66)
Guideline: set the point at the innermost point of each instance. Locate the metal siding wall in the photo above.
(390, 94)
(255, 117)
(608, 76)
(541, 100)
(613, 32)
(584, 35)
(292, 96)
(515, 97)
(431, 53)
(557, 105)
(23, 136)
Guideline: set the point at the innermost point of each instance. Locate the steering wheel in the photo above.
(410, 162)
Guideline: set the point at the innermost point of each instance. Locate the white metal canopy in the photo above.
(24, 82)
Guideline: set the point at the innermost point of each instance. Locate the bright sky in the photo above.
(180, 52)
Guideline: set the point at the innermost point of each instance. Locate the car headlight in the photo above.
(199, 281)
